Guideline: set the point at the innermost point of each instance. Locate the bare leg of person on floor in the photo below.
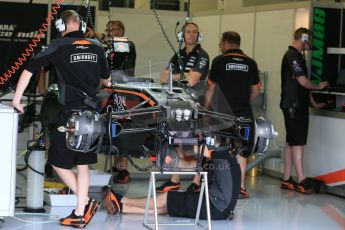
(138, 205)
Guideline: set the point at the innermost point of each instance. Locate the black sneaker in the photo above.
(288, 184)
(73, 221)
(122, 177)
(193, 188)
(304, 187)
(168, 186)
(115, 170)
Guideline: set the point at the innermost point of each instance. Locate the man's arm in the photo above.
(193, 78)
(165, 76)
(209, 94)
(315, 104)
(200, 67)
(306, 83)
(296, 66)
(254, 91)
(21, 86)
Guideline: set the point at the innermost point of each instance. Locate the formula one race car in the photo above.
(134, 112)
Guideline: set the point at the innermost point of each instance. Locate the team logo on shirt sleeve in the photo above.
(83, 57)
(237, 67)
(296, 67)
(203, 63)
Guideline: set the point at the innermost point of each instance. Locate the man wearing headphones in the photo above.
(233, 84)
(295, 100)
(81, 66)
(194, 65)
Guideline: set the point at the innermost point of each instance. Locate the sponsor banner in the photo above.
(326, 33)
(19, 24)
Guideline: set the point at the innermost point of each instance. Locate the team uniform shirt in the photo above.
(292, 93)
(234, 73)
(79, 62)
(124, 61)
(197, 60)
(224, 177)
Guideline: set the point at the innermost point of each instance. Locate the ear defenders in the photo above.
(180, 35)
(61, 25)
(305, 35)
(305, 38)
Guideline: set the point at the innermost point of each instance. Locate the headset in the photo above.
(61, 25)
(305, 38)
(180, 35)
(305, 35)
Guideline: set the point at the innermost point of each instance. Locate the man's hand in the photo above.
(23, 82)
(165, 77)
(322, 85)
(18, 106)
(320, 105)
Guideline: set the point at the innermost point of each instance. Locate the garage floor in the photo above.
(269, 207)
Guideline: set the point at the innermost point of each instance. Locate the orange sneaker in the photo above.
(243, 194)
(288, 184)
(304, 187)
(73, 221)
(111, 200)
(168, 186)
(91, 209)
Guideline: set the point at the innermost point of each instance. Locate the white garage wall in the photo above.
(243, 24)
(216, 25)
(273, 35)
(210, 27)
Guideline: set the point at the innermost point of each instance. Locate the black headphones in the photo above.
(180, 35)
(61, 25)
